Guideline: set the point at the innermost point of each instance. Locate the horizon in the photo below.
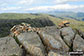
(40, 6)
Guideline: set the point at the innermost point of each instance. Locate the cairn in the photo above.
(17, 29)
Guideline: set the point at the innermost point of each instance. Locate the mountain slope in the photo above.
(8, 20)
(73, 15)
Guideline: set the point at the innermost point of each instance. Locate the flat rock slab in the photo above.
(32, 43)
(55, 33)
(68, 34)
(8, 47)
(53, 41)
(78, 43)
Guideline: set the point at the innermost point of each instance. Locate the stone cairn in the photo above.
(21, 28)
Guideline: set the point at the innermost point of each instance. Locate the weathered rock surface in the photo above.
(49, 41)
(67, 34)
(52, 39)
(53, 54)
(78, 43)
(81, 33)
(32, 43)
(51, 30)
(8, 46)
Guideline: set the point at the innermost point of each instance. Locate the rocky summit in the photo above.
(48, 41)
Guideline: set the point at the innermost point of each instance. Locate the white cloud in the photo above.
(60, 1)
(38, 8)
(56, 7)
(39, 5)
(10, 8)
(65, 1)
(28, 2)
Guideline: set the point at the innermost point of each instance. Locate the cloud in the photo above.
(27, 2)
(60, 1)
(56, 7)
(10, 8)
(40, 5)
(65, 1)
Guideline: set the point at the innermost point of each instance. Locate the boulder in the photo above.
(67, 34)
(53, 41)
(32, 43)
(78, 43)
(56, 35)
(9, 47)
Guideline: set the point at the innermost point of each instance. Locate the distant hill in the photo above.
(72, 15)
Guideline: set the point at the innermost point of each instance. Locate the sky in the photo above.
(36, 6)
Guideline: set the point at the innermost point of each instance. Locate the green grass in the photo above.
(20, 16)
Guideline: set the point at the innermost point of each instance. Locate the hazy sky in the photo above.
(29, 6)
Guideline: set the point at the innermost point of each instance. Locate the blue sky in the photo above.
(31, 6)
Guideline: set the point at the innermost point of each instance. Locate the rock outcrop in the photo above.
(78, 43)
(52, 39)
(67, 35)
(48, 41)
(32, 43)
(9, 47)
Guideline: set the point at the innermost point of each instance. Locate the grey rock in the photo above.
(32, 43)
(81, 33)
(67, 34)
(78, 43)
(51, 30)
(53, 54)
(52, 40)
(56, 35)
(8, 46)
